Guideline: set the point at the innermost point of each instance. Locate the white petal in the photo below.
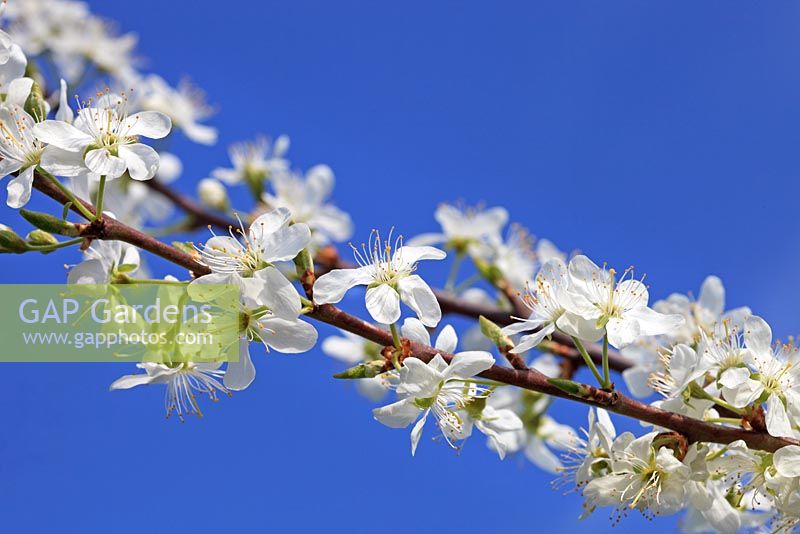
(19, 189)
(787, 461)
(468, 364)
(652, 323)
(397, 415)
(279, 295)
(286, 243)
(383, 303)
(420, 298)
(447, 340)
(331, 287)
(574, 325)
(62, 135)
(18, 92)
(60, 162)
(152, 124)
(622, 332)
(416, 434)
(712, 296)
(129, 381)
(758, 335)
(778, 423)
(531, 340)
(88, 272)
(103, 163)
(417, 379)
(541, 456)
(414, 330)
(241, 374)
(142, 160)
(286, 336)
(409, 255)
(269, 223)
(64, 112)
(343, 348)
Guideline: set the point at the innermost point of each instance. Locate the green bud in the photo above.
(36, 105)
(50, 223)
(10, 241)
(304, 263)
(568, 386)
(494, 333)
(40, 238)
(363, 370)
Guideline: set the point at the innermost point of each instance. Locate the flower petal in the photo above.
(414, 330)
(787, 461)
(420, 298)
(152, 124)
(652, 323)
(468, 364)
(239, 375)
(331, 287)
(142, 160)
(383, 304)
(103, 163)
(399, 414)
(447, 340)
(19, 189)
(290, 337)
(62, 135)
(60, 162)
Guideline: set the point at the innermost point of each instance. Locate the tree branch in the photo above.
(694, 430)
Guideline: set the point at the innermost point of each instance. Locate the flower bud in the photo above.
(10, 241)
(41, 238)
(495, 334)
(213, 194)
(36, 105)
(363, 370)
(50, 223)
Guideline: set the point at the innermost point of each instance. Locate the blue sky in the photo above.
(658, 134)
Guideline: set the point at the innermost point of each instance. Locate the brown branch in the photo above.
(108, 228)
(694, 430)
(200, 216)
(328, 258)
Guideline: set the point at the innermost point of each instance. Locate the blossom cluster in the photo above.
(708, 365)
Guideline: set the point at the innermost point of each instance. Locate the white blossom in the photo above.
(389, 276)
(104, 139)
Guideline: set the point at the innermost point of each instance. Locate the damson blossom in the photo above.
(185, 105)
(546, 300)
(105, 139)
(773, 379)
(718, 371)
(307, 199)
(183, 381)
(269, 313)
(498, 423)
(642, 476)
(468, 229)
(253, 162)
(439, 388)
(106, 262)
(701, 316)
(389, 276)
(20, 150)
(271, 238)
(599, 305)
